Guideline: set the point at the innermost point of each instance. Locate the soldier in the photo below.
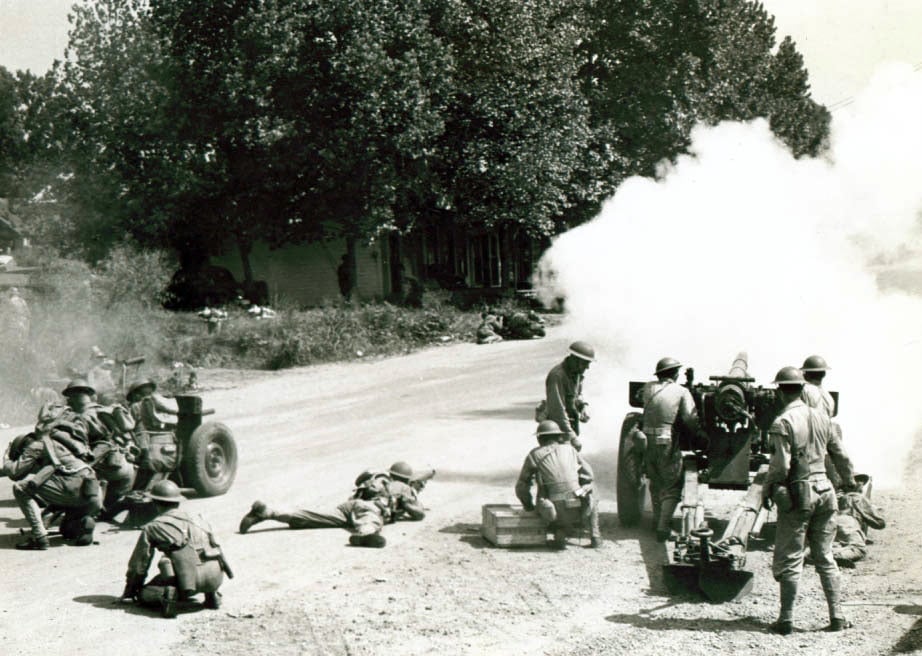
(563, 389)
(113, 470)
(404, 501)
(153, 412)
(564, 486)
(856, 515)
(488, 330)
(51, 466)
(797, 483)
(665, 402)
(815, 396)
(192, 562)
(364, 514)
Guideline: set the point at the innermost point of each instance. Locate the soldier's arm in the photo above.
(140, 559)
(780, 462)
(25, 464)
(840, 459)
(523, 484)
(586, 474)
(410, 506)
(556, 406)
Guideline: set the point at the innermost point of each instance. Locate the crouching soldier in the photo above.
(564, 482)
(856, 515)
(192, 562)
(364, 514)
(51, 468)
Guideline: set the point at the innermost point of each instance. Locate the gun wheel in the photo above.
(210, 460)
(630, 486)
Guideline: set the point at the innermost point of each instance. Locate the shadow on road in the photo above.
(645, 621)
(517, 411)
(910, 641)
(109, 602)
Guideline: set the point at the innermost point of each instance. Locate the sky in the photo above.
(842, 41)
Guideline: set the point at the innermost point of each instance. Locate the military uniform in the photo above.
(562, 500)
(563, 390)
(53, 468)
(404, 501)
(856, 515)
(192, 561)
(818, 398)
(808, 515)
(109, 462)
(665, 402)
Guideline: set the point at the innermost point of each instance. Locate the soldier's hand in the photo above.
(767, 502)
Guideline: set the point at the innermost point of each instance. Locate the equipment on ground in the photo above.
(736, 415)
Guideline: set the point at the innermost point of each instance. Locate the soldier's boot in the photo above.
(85, 528)
(34, 543)
(374, 540)
(258, 513)
(832, 588)
(168, 602)
(213, 600)
(560, 539)
(788, 593)
(667, 510)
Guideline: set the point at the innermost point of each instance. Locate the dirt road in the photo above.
(466, 410)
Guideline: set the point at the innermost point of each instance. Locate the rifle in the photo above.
(418, 482)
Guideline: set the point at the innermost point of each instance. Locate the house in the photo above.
(473, 263)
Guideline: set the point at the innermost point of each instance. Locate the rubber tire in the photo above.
(630, 486)
(210, 459)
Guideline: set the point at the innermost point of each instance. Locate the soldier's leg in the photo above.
(788, 560)
(590, 512)
(821, 532)
(670, 493)
(33, 514)
(301, 519)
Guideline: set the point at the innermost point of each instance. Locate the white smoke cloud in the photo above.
(740, 247)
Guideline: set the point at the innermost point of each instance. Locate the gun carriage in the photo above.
(735, 414)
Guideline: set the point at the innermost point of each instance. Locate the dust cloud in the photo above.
(740, 247)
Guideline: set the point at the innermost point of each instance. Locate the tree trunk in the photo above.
(352, 267)
(245, 245)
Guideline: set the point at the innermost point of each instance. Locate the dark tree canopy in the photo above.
(193, 123)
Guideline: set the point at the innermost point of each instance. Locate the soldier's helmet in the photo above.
(140, 383)
(167, 492)
(548, 427)
(666, 364)
(365, 478)
(815, 363)
(78, 385)
(583, 351)
(401, 470)
(789, 377)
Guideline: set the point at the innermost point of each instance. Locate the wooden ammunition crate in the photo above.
(512, 526)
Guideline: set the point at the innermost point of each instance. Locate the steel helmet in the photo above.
(548, 427)
(401, 469)
(665, 364)
(583, 351)
(166, 491)
(138, 384)
(815, 363)
(78, 385)
(789, 376)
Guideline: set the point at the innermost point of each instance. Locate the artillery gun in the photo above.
(736, 415)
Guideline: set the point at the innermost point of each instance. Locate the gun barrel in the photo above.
(740, 366)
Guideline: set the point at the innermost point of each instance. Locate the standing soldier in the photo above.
(797, 483)
(192, 562)
(665, 402)
(815, 396)
(564, 486)
(563, 390)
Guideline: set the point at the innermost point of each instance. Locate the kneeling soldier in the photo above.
(192, 562)
(564, 482)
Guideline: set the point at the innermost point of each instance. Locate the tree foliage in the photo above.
(190, 123)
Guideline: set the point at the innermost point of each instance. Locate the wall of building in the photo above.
(305, 274)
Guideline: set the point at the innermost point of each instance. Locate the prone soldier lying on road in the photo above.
(564, 485)
(856, 514)
(192, 562)
(378, 498)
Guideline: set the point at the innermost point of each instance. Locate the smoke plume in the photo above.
(740, 247)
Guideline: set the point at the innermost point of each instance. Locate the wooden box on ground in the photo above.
(512, 526)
